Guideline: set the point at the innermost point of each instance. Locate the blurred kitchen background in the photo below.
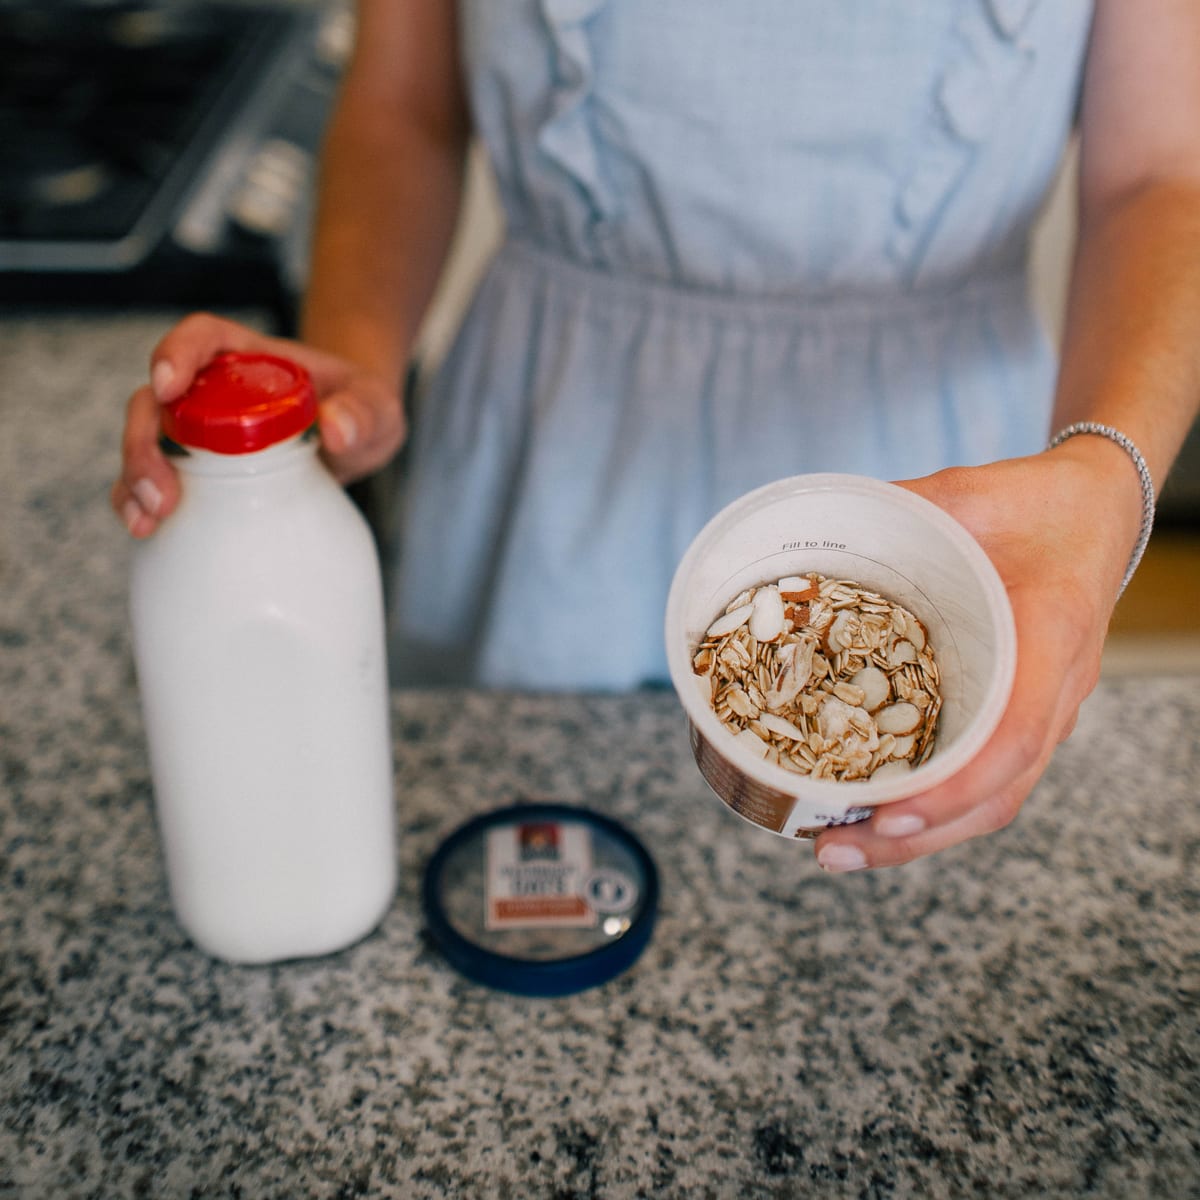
(161, 156)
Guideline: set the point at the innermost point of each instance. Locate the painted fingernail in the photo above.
(131, 513)
(901, 825)
(149, 497)
(841, 858)
(161, 377)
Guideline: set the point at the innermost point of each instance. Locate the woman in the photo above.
(743, 244)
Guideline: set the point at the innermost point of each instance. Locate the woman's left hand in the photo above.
(1059, 527)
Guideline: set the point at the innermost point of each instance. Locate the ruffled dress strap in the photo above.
(989, 60)
(567, 136)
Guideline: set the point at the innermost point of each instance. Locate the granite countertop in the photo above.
(1015, 1017)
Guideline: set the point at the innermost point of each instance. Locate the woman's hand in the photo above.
(359, 414)
(1059, 527)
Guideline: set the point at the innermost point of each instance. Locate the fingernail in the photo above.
(160, 379)
(841, 858)
(346, 427)
(131, 513)
(900, 825)
(149, 497)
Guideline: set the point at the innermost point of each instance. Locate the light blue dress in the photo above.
(745, 241)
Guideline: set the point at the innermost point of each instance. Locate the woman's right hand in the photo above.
(359, 414)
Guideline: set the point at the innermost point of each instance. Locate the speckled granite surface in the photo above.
(1018, 1017)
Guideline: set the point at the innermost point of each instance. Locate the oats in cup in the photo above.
(823, 677)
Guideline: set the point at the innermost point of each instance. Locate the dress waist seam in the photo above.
(1005, 285)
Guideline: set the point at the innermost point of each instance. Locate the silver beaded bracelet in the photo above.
(1115, 435)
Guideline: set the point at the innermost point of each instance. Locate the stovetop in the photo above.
(100, 109)
(133, 132)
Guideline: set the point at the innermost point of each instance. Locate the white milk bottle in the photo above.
(258, 636)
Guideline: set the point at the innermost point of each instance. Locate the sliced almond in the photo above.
(728, 622)
(780, 727)
(796, 661)
(874, 685)
(766, 614)
(898, 718)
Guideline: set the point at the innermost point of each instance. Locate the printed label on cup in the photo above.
(813, 544)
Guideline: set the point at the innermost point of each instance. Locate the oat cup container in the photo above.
(883, 538)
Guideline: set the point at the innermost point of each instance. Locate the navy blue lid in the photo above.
(585, 958)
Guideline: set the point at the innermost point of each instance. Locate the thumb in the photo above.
(338, 425)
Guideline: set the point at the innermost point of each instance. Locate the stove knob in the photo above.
(272, 190)
(335, 37)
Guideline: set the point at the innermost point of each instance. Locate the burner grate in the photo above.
(98, 109)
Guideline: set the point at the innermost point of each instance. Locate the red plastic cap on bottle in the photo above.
(240, 403)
